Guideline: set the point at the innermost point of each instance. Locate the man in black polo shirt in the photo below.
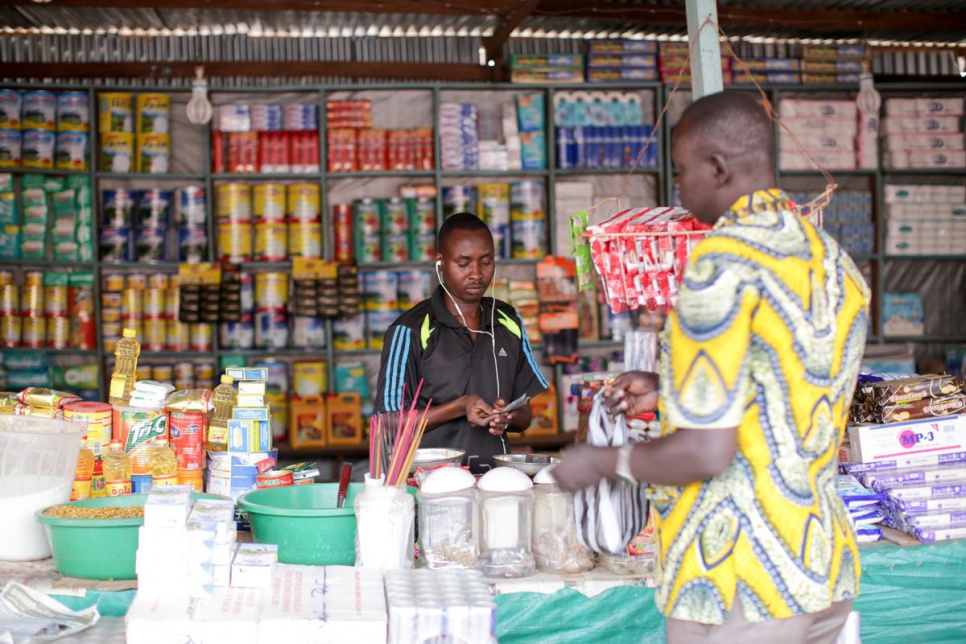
(473, 358)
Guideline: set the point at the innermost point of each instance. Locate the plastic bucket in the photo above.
(98, 548)
(38, 458)
(304, 523)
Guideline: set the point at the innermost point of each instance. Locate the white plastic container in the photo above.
(38, 457)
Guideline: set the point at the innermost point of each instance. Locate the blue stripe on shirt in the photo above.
(390, 375)
(528, 352)
(403, 359)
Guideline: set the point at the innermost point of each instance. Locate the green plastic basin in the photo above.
(98, 548)
(304, 523)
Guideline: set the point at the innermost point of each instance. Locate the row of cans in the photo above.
(42, 110)
(151, 245)
(43, 150)
(395, 290)
(137, 304)
(240, 241)
(35, 332)
(154, 208)
(143, 113)
(158, 334)
(147, 153)
(138, 281)
(269, 202)
(363, 331)
(272, 328)
(34, 300)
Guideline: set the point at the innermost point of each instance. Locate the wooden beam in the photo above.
(823, 21)
(506, 23)
(440, 7)
(389, 71)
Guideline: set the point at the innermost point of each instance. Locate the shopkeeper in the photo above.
(759, 361)
(471, 352)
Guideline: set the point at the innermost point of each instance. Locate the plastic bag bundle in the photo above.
(610, 513)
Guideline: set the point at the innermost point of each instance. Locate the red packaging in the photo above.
(187, 436)
(218, 152)
(274, 478)
(342, 233)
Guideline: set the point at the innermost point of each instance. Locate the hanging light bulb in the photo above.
(199, 108)
(868, 99)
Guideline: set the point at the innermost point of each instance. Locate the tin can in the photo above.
(138, 281)
(237, 335)
(6, 278)
(192, 478)
(97, 417)
(162, 373)
(155, 334)
(39, 110)
(70, 151)
(11, 330)
(458, 199)
(111, 314)
(501, 240)
(33, 278)
(144, 372)
(200, 337)
(395, 248)
(277, 374)
(234, 202)
(192, 244)
(150, 245)
(271, 328)
(153, 153)
(153, 208)
(153, 113)
(184, 371)
(160, 281)
(117, 152)
(32, 300)
(379, 322)
(493, 204)
(110, 334)
(305, 238)
(422, 216)
(414, 287)
(113, 282)
(117, 208)
(112, 302)
(135, 428)
(11, 108)
(37, 149)
(369, 249)
(366, 217)
(273, 478)
(303, 202)
(176, 335)
(271, 242)
(394, 218)
(10, 300)
(115, 112)
(308, 333)
(269, 202)
(132, 304)
(349, 333)
(381, 290)
(247, 295)
(58, 332)
(73, 112)
(342, 235)
(271, 290)
(529, 239)
(190, 206)
(309, 378)
(187, 430)
(234, 242)
(11, 148)
(116, 246)
(172, 300)
(422, 248)
(153, 303)
(526, 200)
(204, 371)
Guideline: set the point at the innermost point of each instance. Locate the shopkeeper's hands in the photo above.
(632, 393)
(477, 411)
(500, 422)
(583, 466)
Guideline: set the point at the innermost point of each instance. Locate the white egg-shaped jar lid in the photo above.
(446, 480)
(505, 479)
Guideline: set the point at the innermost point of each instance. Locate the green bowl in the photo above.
(98, 548)
(304, 523)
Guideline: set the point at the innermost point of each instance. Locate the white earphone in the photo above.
(492, 334)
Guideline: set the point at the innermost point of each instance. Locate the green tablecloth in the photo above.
(908, 594)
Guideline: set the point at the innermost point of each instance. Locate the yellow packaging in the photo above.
(303, 202)
(144, 372)
(269, 202)
(153, 153)
(114, 282)
(271, 242)
(114, 113)
(138, 281)
(344, 420)
(235, 242)
(234, 202)
(117, 152)
(544, 408)
(194, 478)
(308, 420)
(309, 379)
(305, 239)
(153, 114)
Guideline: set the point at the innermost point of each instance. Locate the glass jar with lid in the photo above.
(449, 520)
(506, 500)
(556, 546)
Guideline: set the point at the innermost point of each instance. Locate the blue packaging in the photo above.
(117, 208)
(530, 112)
(116, 247)
(153, 208)
(247, 373)
(192, 244)
(10, 242)
(533, 150)
(141, 483)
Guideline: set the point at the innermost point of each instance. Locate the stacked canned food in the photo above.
(51, 309)
(149, 304)
(44, 130)
(385, 230)
(386, 295)
(183, 375)
(284, 221)
(136, 225)
(134, 141)
(514, 212)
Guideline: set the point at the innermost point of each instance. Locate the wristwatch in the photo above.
(623, 468)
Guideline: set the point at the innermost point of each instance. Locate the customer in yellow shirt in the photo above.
(758, 363)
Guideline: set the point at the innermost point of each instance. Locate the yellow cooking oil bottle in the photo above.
(83, 475)
(117, 469)
(163, 463)
(126, 353)
(223, 398)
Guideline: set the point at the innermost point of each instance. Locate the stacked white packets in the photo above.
(445, 605)
(864, 507)
(150, 394)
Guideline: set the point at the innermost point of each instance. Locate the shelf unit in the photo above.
(329, 181)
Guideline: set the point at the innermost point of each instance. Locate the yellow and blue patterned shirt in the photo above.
(766, 336)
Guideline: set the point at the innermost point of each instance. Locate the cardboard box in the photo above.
(253, 565)
(901, 440)
(167, 507)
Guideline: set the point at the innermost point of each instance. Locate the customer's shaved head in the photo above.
(735, 125)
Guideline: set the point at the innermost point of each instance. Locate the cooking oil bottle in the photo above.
(223, 398)
(117, 469)
(163, 462)
(83, 475)
(126, 353)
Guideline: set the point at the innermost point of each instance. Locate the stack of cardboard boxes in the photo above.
(924, 133)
